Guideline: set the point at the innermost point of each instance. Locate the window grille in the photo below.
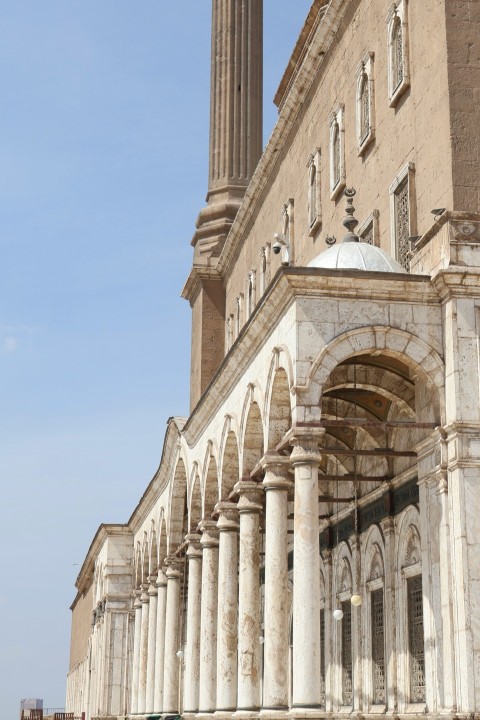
(397, 53)
(312, 195)
(402, 224)
(337, 155)
(229, 332)
(364, 108)
(322, 658)
(378, 648)
(416, 639)
(366, 235)
(238, 308)
(347, 657)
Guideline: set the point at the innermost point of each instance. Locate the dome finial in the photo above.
(349, 221)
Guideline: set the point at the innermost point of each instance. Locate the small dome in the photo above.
(356, 256)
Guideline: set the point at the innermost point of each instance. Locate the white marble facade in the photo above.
(309, 546)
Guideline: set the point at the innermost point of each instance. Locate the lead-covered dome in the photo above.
(356, 256)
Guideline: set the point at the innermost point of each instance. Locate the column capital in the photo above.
(152, 589)
(173, 568)
(136, 599)
(227, 516)
(144, 596)
(250, 494)
(161, 579)
(277, 471)
(209, 531)
(305, 443)
(194, 549)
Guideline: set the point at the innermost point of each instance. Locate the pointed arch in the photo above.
(230, 465)
(210, 484)
(178, 516)
(153, 562)
(253, 442)
(195, 512)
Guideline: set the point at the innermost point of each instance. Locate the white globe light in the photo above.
(338, 614)
(356, 600)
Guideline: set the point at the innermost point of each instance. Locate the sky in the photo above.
(103, 170)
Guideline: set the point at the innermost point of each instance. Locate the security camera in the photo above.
(282, 243)
(278, 244)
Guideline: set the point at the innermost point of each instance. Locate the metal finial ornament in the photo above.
(349, 221)
(330, 240)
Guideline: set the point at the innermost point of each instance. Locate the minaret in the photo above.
(236, 96)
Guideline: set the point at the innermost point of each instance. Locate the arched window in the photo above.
(397, 53)
(397, 28)
(337, 152)
(314, 208)
(229, 332)
(251, 292)
(365, 102)
(337, 156)
(364, 108)
(238, 314)
(312, 194)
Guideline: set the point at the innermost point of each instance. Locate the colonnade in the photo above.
(219, 655)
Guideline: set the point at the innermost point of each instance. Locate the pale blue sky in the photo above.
(103, 169)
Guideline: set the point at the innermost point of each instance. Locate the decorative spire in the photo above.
(349, 221)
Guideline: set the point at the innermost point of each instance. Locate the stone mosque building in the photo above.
(310, 544)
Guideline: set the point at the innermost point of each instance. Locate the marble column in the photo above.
(152, 634)
(160, 641)
(208, 621)
(249, 507)
(142, 663)
(388, 528)
(192, 650)
(137, 606)
(227, 623)
(306, 574)
(172, 616)
(276, 626)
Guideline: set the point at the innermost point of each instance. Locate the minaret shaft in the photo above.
(235, 118)
(236, 93)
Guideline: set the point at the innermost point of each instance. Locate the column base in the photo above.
(307, 713)
(274, 713)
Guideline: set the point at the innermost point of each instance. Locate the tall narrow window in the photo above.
(347, 654)
(251, 288)
(378, 648)
(238, 316)
(365, 102)
(264, 268)
(364, 108)
(416, 642)
(402, 224)
(397, 53)
(229, 332)
(397, 28)
(337, 155)
(314, 209)
(322, 658)
(337, 152)
(403, 214)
